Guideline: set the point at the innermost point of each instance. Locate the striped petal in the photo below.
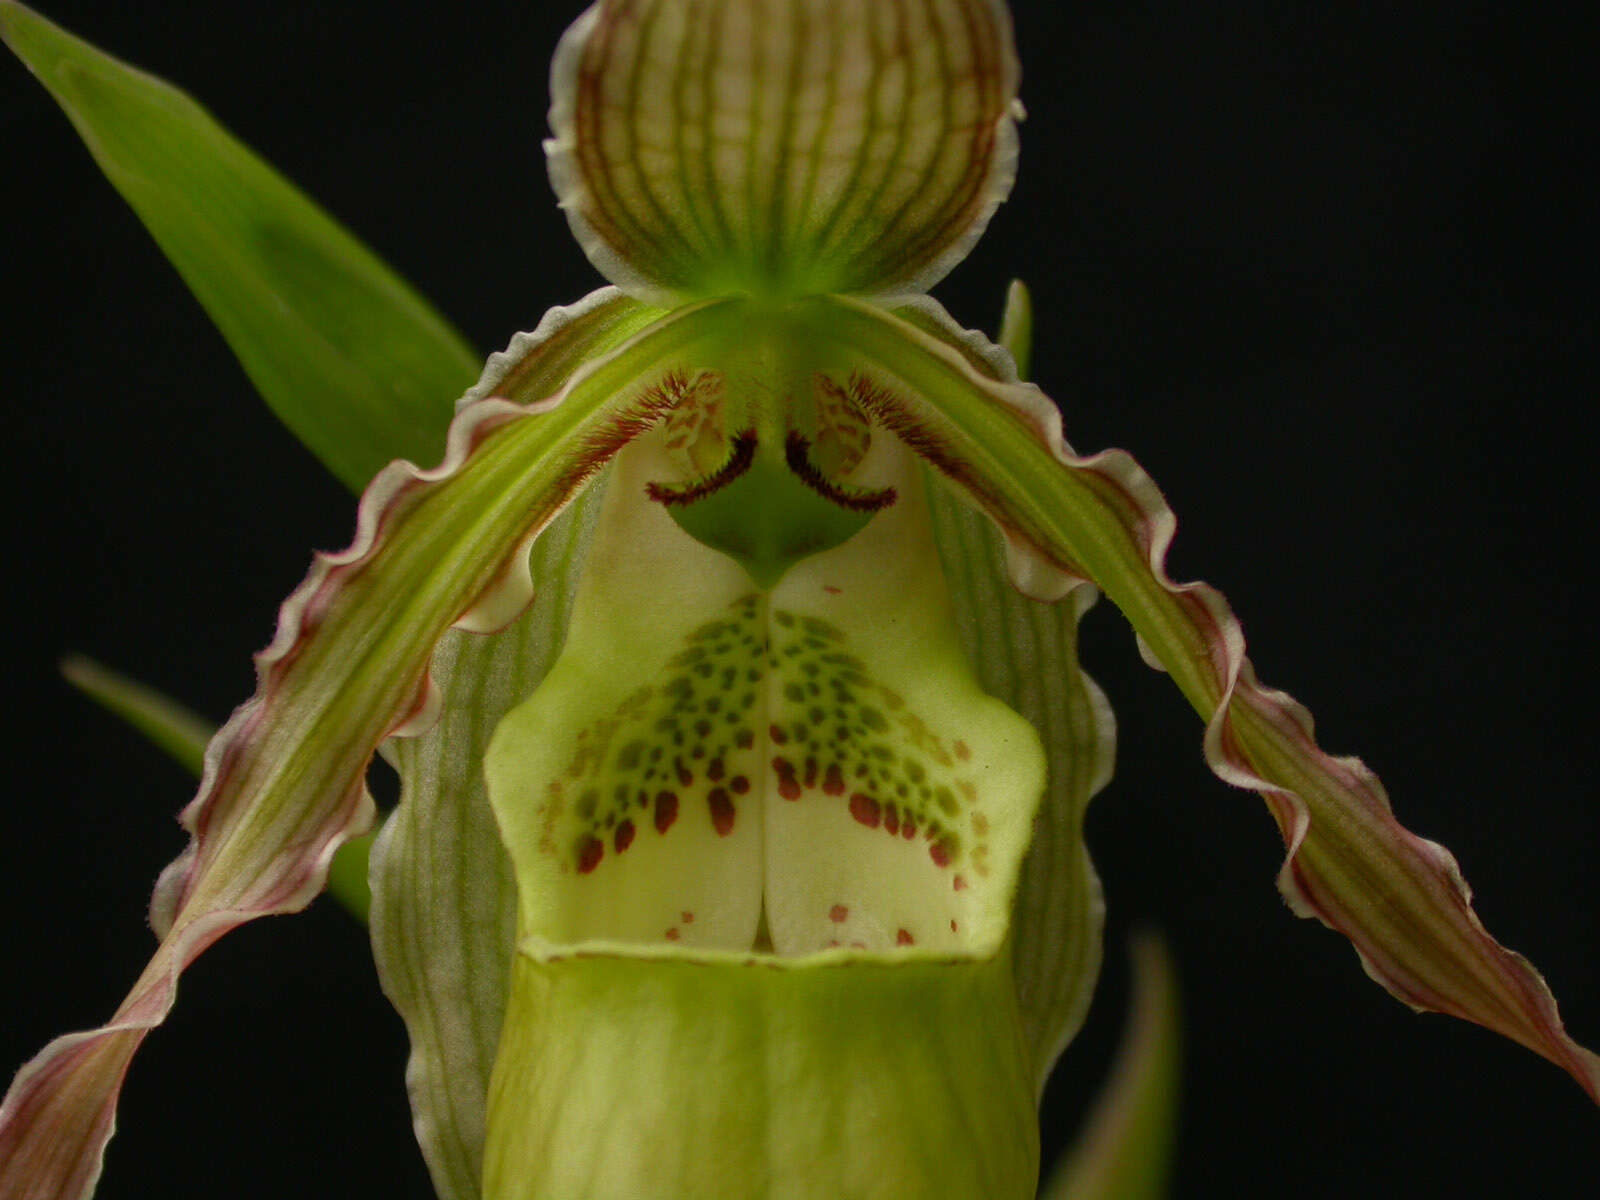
(443, 902)
(1399, 898)
(782, 147)
(284, 779)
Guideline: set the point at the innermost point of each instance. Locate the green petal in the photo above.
(1399, 898)
(444, 905)
(1125, 1149)
(782, 147)
(357, 365)
(283, 785)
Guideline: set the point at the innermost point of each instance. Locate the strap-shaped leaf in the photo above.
(354, 362)
(444, 904)
(1399, 898)
(283, 784)
(782, 146)
(1124, 1151)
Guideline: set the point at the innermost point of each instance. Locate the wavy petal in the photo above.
(782, 146)
(444, 905)
(1399, 898)
(283, 784)
(354, 362)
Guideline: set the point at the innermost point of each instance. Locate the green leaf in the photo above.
(359, 367)
(1125, 1149)
(183, 734)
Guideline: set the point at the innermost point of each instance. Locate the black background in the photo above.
(1325, 269)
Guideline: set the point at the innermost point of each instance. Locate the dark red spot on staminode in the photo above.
(788, 785)
(590, 851)
(721, 805)
(959, 883)
(666, 810)
(903, 938)
(962, 751)
(745, 739)
(686, 917)
(908, 829)
(830, 589)
(714, 769)
(739, 784)
(811, 773)
(865, 809)
(672, 934)
(939, 851)
(891, 819)
(838, 913)
(624, 836)
(778, 736)
(833, 780)
(685, 776)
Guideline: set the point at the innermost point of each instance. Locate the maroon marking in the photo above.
(686, 917)
(952, 926)
(811, 773)
(666, 810)
(962, 752)
(672, 934)
(838, 913)
(939, 851)
(865, 809)
(739, 784)
(624, 837)
(903, 938)
(788, 785)
(714, 769)
(742, 454)
(778, 736)
(959, 883)
(891, 819)
(797, 454)
(721, 811)
(590, 851)
(685, 777)
(833, 780)
(908, 829)
(745, 740)
(830, 589)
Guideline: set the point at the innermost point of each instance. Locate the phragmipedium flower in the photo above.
(729, 753)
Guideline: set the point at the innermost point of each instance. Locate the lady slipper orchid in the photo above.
(728, 661)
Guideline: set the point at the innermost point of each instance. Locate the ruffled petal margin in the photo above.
(283, 785)
(1399, 898)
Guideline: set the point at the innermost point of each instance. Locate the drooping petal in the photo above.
(1124, 1151)
(283, 785)
(444, 907)
(782, 146)
(353, 361)
(1399, 898)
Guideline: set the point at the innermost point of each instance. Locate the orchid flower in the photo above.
(728, 656)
